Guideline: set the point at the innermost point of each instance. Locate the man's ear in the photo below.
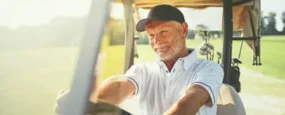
(185, 29)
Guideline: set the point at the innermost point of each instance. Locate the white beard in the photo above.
(170, 55)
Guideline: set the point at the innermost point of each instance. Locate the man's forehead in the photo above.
(160, 24)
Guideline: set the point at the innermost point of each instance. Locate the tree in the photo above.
(271, 26)
(116, 30)
(262, 23)
(283, 20)
(200, 29)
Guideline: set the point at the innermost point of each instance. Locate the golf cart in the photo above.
(237, 15)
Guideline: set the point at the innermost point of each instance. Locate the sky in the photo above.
(14, 13)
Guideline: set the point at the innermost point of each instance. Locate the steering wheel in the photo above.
(103, 108)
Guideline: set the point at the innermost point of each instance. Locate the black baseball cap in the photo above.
(162, 13)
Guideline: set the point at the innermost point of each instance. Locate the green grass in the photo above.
(31, 79)
(272, 55)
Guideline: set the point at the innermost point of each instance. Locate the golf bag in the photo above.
(234, 81)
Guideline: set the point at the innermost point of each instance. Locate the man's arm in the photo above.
(203, 91)
(113, 90)
(190, 103)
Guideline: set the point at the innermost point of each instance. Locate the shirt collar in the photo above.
(187, 61)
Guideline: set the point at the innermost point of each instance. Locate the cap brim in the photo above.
(142, 23)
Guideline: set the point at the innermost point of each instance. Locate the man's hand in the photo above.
(113, 90)
(190, 103)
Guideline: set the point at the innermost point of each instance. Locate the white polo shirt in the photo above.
(159, 88)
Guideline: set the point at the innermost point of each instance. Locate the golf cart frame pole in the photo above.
(129, 34)
(228, 35)
(84, 79)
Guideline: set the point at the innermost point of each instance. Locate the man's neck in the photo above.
(170, 63)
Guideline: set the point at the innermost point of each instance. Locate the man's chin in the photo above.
(165, 58)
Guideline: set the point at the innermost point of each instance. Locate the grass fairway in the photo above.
(31, 79)
(272, 55)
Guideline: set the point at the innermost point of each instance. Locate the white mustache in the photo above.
(161, 46)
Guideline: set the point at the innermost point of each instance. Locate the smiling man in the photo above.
(177, 82)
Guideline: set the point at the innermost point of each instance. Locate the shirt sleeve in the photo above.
(211, 78)
(136, 74)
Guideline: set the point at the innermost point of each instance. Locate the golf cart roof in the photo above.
(184, 3)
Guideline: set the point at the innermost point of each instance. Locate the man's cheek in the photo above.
(152, 47)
